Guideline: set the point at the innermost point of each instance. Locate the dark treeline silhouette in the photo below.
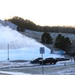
(59, 29)
(23, 24)
(27, 24)
(63, 43)
(46, 38)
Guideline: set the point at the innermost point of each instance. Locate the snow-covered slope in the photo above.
(7, 23)
(20, 46)
(37, 35)
(15, 39)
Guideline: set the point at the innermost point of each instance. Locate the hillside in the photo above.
(23, 24)
(12, 42)
(37, 36)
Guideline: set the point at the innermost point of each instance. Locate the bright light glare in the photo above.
(42, 12)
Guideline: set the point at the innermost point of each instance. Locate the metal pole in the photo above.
(8, 53)
(42, 64)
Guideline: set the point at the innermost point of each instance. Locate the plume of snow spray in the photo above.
(15, 39)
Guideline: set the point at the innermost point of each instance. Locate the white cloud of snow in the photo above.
(15, 39)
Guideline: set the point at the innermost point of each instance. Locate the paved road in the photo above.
(4, 74)
(48, 70)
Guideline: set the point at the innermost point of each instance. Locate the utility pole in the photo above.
(42, 51)
(8, 53)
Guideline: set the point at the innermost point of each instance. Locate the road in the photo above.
(48, 69)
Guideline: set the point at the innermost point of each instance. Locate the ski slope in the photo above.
(16, 46)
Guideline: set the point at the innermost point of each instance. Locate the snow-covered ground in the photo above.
(12, 73)
(16, 46)
(24, 54)
(25, 68)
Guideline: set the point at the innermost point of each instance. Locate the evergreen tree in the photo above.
(46, 38)
(57, 41)
(63, 43)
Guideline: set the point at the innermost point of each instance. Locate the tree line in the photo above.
(27, 24)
